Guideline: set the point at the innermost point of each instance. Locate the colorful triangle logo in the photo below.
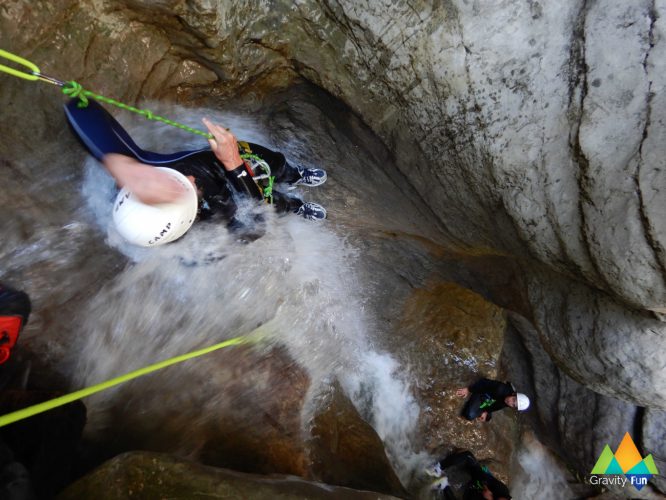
(614, 467)
(626, 460)
(627, 454)
(651, 467)
(604, 461)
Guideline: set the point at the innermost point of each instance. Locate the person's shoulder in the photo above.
(200, 161)
(486, 380)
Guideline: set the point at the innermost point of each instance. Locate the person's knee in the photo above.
(468, 458)
(470, 412)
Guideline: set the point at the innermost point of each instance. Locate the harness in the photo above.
(487, 402)
(260, 170)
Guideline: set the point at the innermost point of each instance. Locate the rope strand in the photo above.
(76, 91)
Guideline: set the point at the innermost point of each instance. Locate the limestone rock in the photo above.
(654, 441)
(345, 450)
(596, 340)
(517, 123)
(243, 415)
(153, 475)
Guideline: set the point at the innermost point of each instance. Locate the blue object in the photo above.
(101, 134)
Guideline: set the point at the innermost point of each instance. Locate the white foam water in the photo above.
(537, 474)
(381, 389)
(297, 281)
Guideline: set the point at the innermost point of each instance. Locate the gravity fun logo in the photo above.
(625, 465)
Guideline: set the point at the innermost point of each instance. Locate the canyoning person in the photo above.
(159, 206)
(37, 454)
(216, 176)
(476, 480)
(14, 313)
(488, 396)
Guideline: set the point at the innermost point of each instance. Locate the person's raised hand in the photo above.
(463, 392)
(224, 145)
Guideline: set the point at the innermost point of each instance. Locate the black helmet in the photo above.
(14, 303)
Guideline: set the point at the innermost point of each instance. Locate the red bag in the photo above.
(10, 326)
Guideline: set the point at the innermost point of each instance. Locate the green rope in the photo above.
(74, 396)
(76, 90)
(267, 190)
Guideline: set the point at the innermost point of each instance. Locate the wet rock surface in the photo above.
(154, 475)
(345, 450)
(450, 337)
(238, 409)
(467, 98)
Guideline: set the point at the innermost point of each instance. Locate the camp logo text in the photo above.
(624, 466)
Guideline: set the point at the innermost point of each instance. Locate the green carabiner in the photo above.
(23, 62)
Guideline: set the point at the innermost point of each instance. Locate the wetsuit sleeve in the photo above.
(494, 388)
(498, 488)
(242, 181)
(483, 386)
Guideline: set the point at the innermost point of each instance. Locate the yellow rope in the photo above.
(68, 398)
(75, 90)
(23, 62)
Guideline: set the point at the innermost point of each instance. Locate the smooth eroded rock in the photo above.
(345, 450)
(145, 475)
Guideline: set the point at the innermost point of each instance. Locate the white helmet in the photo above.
(522, 401)
(151, 225)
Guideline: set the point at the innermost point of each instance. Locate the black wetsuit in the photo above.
(38, 454)
(477, 478)
(487, 395)
(218, 186)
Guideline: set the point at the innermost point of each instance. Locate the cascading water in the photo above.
(538, 474)
(298, 285)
